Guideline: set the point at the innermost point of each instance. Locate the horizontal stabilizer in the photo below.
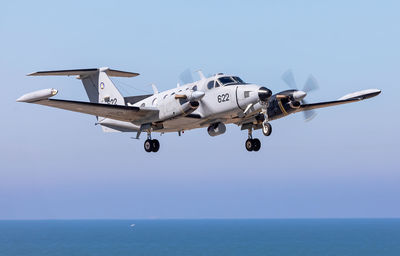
(84, 72)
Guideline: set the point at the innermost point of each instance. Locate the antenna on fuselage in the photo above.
(155, 90)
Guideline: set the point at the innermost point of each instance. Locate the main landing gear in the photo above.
(151, 145)
(255, 144)
(252, 144)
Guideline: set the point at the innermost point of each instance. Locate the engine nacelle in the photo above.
(294, 104)
(216, 129)
(172, 108)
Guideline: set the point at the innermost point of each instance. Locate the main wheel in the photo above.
(267, 129)
(256, 144)
(156, 145)
(249, 145)
(148, 145)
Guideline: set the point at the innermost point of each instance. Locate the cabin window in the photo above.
(194, 88)
(210, 84)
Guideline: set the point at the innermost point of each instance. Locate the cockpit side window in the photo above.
(210, 84)
(226, 80)
(216, 84)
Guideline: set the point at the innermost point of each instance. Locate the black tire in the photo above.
(249, 145)
(148, 145)
(269, 131)
(256, 144)
(156, 145)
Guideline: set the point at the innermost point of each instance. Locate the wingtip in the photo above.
(37, 95)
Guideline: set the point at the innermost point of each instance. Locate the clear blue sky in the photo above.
(344, 163)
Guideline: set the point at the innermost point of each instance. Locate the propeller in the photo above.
(186, 77)
(310, 85)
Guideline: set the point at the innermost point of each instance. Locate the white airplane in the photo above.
(209, 102)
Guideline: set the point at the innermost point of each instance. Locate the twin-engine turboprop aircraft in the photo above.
(209, 102)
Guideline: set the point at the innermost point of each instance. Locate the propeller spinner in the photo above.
(299, 95)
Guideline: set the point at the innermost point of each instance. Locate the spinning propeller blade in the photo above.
(310, 85)
(186, 77)
(288, 77)
(309, 114)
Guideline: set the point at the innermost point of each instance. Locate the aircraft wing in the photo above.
(131, 114)
(117, 112)
(349, 98)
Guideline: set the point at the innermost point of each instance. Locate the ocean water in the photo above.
(281, 237)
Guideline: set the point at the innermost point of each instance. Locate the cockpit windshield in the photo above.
(238, 79)
(227, 80)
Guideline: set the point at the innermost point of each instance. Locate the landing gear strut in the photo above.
(151, 145)
(252, 144)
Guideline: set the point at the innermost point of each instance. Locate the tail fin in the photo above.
(97, 83)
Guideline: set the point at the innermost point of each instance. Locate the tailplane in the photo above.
(99, 88)
(97, 83)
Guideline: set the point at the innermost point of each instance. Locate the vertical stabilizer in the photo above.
(100, 88)
(108, 93)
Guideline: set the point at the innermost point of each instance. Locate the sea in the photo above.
(281, 237)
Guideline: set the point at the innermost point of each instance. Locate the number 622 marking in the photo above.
(223, 97)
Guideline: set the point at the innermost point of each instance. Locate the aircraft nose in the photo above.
(299, 95)
(264, 93)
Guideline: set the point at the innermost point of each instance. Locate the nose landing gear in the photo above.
(266, 128)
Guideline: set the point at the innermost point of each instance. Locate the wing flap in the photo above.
(117, 112)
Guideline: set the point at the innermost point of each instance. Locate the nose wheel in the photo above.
(266, 128)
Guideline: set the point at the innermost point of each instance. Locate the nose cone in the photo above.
(264, 93)
(299, 95)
